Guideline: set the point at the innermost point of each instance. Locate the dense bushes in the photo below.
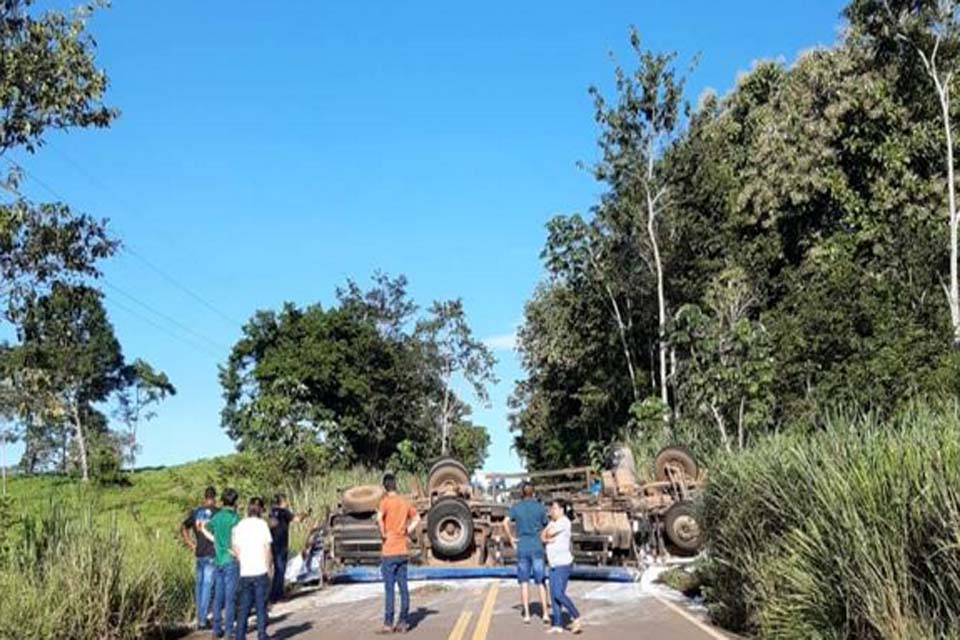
(853, 532)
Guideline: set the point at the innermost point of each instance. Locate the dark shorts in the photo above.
(531, 565)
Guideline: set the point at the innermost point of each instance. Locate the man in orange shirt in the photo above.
(397, 519)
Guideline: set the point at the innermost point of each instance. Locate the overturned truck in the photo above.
(619, 519)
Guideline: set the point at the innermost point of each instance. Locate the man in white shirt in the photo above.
(251, 545)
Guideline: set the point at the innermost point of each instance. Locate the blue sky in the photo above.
(268, 151)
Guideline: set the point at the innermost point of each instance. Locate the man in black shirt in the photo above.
(280, 518)
(203, 550)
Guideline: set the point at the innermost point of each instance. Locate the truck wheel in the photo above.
(446, 471)
(682, 526)
(450, 528)
(679, 458)
(362, 499)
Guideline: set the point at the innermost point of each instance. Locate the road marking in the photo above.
(710, 631)
(483, 622)
(461, 627)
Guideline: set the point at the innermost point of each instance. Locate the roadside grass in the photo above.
(687, 580)
(851, 532)
(106, 563)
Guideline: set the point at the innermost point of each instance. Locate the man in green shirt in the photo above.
(227, 570)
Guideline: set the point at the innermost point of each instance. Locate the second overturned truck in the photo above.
(618, 518)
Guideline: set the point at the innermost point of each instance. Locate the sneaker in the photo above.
(576, 627)
(402, 627)
(546, 620)
(384, 631)
(526, 619)
(555, 630)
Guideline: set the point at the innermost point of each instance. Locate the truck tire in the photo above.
(446, 471)
(450, 528)
(678, 457)
(361, 499)
(681, 523)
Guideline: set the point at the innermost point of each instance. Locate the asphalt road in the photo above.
(486, 610)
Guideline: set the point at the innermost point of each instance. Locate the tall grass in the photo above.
(70, 577)
(105, 563)
(853, 532)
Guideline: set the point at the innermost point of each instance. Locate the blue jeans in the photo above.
(225, 597)
(394, 571)
(253, 591)
(279, 569)
(203, 588)
(531, 565)
(559, 577)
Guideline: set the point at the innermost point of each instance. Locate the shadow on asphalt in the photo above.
(291, 631)
(418, 616)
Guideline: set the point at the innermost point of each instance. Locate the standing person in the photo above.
(280, 518)
(557, 537)
(227, 573)
(397, 519)
(530, 517)
(203, 551)
(251, 546)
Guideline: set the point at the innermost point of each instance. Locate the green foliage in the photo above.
(50, 79)
(349, 384)
(815, 194)
(847, 533)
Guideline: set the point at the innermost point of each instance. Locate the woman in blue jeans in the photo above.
(557, 536)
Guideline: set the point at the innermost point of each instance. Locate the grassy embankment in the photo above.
(104, 563)
(852, 532)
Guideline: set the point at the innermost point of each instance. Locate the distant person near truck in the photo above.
(558, 536)
(251, 542)
(529, 517)
(281, 517)
(397, 519)
(227, 574)
(204, 554)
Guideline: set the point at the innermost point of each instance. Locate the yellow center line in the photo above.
(483, 623)
(461, 627)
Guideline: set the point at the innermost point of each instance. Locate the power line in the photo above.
(167, 318)
(126, 247)
(191, 343)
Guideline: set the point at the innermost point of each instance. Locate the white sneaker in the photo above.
(555, 630)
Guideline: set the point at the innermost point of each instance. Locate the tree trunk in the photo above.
(942, 86)
(661, 303)
(81, 441)
(953, 295)
(621, 328)
(3, 460)
(721, 427)
(444, 426)
(740, 434)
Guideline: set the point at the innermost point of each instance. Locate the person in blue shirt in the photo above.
(529, 517)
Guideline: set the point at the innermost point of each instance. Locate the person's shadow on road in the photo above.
(290, 632)
(418, 616)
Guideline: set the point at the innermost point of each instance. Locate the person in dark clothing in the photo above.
(281, 517)
(204, 553)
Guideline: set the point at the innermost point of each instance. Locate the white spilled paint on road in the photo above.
(617, 592)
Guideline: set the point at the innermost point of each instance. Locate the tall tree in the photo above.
(67, 336)
(456, 354)
(361, 382)
(634, 132)
(144, 388)
(929, 31)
